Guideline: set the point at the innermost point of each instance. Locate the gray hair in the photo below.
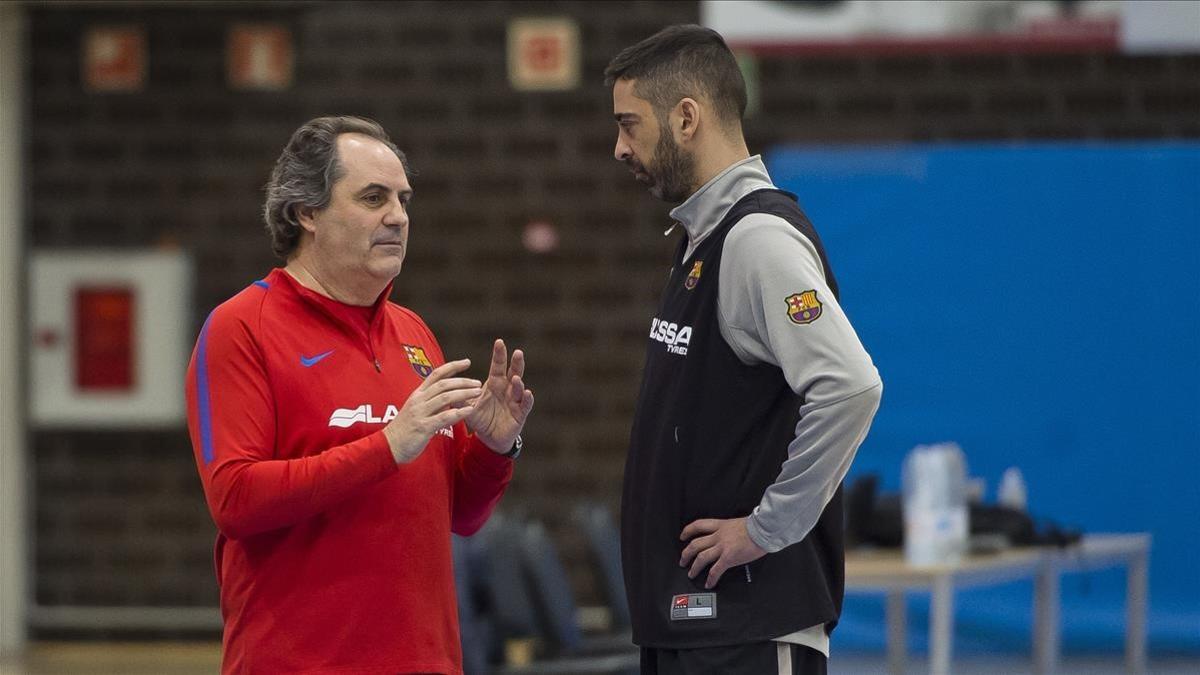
(306, 171)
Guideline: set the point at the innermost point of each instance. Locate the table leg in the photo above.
(1135, 613)
(941, 626)
(1046, 620)
(897, 632)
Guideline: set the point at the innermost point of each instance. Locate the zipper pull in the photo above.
(378, 368)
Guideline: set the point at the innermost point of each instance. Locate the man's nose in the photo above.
(397, 214)
(622, 152)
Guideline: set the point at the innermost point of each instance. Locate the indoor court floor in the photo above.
(171, 658)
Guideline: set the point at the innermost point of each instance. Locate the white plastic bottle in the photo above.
(1012, 489)
(935, 505)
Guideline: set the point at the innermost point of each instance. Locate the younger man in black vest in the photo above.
(756, 391)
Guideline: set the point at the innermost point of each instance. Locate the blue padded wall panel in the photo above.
(1040, 305)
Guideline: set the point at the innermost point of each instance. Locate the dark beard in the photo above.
(675, 170)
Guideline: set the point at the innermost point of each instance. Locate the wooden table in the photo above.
(884, 571)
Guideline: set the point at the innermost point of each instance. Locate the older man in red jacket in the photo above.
(337, 448)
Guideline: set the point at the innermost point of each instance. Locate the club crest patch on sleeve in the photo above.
(693, 277)
(803, 307)
(420, 362)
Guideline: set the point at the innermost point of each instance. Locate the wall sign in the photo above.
(110, 338)
(543, 54)
(114, 58)
(260, 56)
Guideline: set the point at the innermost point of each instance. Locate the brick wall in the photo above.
(120, 516)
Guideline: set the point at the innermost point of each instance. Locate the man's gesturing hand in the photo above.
(721, 543)
(440, 401)
(499, 414)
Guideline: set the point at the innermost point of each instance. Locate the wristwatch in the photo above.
(515, 452)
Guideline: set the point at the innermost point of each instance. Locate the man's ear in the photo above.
(687, 120)
(306, 216)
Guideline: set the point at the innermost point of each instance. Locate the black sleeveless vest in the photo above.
(710, 434)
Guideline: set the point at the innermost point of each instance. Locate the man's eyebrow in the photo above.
(626, 117)
(380, 186)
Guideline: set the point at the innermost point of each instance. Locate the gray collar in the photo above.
(701, 212)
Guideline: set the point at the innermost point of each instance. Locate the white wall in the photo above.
(13, 484)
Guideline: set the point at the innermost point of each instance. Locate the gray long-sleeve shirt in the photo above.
(765, 261)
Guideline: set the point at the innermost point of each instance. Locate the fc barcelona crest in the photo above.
(420, 362)
(693, 277)
(803, 307)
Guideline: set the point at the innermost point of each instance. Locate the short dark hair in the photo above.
(305, 173)
(681, 61)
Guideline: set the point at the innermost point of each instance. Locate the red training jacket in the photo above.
(330, 557)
